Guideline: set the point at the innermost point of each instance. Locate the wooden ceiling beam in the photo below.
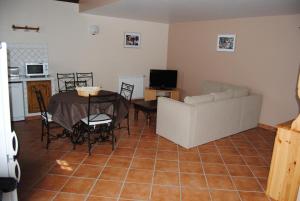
(71, 1)
(85, 5)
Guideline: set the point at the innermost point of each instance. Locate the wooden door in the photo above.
(45, 87)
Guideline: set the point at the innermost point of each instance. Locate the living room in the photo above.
(265, 59)
(266, 49)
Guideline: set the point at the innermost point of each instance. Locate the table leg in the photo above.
(148, 116)
(136, 114)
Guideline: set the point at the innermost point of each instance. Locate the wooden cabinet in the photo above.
(44, 86)
(284, 176)
(151, 94)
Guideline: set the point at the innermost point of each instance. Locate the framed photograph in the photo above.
(226, 42)
(132, 39)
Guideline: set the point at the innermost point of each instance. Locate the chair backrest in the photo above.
(126, 91)
(71, 85)
(103, 104)
(62, 78)
(88, 77)
(81, 83)
(42, 106)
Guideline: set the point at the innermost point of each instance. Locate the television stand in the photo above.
(152, 93)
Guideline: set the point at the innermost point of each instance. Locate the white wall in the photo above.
(71, 48)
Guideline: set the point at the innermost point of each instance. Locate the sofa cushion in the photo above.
(240, 91)
(199, 99)
(223, 95)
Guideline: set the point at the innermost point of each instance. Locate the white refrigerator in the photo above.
(9, 166)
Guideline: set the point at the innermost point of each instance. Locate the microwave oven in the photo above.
(36, 69)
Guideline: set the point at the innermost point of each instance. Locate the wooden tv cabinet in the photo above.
(151, 94)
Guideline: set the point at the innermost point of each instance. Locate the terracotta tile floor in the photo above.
(144, 166)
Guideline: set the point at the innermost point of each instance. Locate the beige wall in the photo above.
(266, 59)
(71, 48)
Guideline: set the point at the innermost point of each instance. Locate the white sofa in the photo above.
(221, 110)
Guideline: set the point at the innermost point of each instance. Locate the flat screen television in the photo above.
(163, 79)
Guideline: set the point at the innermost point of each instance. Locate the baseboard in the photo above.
(267, 127)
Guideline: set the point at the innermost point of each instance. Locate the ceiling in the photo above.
(170, 11)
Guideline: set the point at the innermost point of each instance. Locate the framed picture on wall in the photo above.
(226, 42)
(132, 39)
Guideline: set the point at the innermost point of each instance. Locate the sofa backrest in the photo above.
(223, 95)
(217, 91)
(199, 99)
(208, 87)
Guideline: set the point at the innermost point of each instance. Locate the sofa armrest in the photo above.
(174, 120)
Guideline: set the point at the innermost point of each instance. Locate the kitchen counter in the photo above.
(25, 79)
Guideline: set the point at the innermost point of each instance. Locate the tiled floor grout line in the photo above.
(69, 177)
(225, 165)
(126, 175)
(154, 168)
(163, 185)
(204, 173)
(179, 174)
(167, 185)
(39, 180)
(267, 163)
(97, 178)
(257, 150)
(242, 156)
(195, 162)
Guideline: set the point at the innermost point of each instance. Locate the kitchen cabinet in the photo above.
(44, 86)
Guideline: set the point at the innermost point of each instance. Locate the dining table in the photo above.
(68, 108)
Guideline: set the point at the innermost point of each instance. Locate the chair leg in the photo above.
(89, 142)
(128, 125)
(48, 136)
(113, 139)
(74, 136)
(42, 136)
(73, 140)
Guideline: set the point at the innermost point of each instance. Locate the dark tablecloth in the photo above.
(67, 108)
